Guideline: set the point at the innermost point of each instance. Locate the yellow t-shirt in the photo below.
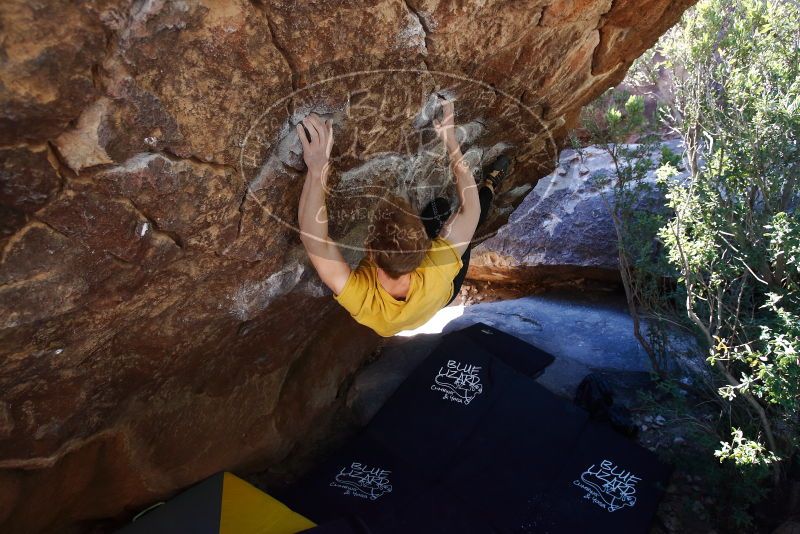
(431, 288)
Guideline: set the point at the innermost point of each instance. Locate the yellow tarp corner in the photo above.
(248, 510)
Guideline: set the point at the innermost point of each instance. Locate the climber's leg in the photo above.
(492, 176)
(485, 195)
(435, 215)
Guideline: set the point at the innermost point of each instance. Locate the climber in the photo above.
(415, 264)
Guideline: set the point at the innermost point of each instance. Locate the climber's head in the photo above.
(397, 241)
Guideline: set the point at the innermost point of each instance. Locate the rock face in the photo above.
(158, 318)
(563, 229)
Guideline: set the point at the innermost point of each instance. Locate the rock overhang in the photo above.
(160, 320)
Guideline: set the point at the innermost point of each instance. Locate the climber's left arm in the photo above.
(312, 212)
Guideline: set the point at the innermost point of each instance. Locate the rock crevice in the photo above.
(423, 24)
(287, 57)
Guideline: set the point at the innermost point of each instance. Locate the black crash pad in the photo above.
(606, 484)
(440, 405)
(470, 443)
(355, 481)
(197, 509)
(523, 357)
(509, 461)
(432, 510)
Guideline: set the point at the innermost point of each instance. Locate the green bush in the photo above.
(609, 123)
(730, 238)
(734, 234)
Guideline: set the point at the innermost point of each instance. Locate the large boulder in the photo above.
(158, 318)
(563, 230)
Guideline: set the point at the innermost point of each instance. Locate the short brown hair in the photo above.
(397, 239)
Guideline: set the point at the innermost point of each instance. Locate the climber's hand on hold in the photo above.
(317, 143)
(460, 229)
(445, 128)
(312, 213)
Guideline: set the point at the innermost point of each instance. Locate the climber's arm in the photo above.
(312, 213)
(460, 228)
(322, 251)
